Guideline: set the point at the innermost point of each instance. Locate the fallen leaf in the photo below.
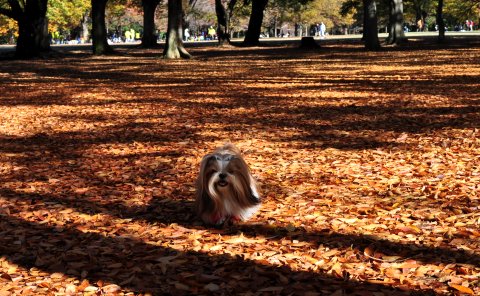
(462, 289)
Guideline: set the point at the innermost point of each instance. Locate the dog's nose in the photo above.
(222, 176)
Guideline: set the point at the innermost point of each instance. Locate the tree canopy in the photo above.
(71, 19)
(66, 15)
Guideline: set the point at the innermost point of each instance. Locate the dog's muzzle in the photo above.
(222, 182)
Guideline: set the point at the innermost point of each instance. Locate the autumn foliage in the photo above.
(369, 165)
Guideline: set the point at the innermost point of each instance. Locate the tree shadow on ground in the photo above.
(180, 211)
(153, 268)
(152, 265)
(343, 127)
(83, 170)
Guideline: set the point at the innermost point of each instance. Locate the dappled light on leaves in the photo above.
(369, 167)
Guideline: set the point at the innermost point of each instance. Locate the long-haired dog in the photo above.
(226, 190)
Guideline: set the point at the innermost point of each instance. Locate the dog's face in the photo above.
(223, 170)
(225, 187)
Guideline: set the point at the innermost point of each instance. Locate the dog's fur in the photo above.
(226, 190)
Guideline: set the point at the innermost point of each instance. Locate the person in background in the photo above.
(211, 33)
(323, 30)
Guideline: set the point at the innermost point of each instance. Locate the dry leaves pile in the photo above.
(369, 165)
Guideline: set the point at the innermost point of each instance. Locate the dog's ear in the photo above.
(254, 189)
(202, 173)
(203, 201)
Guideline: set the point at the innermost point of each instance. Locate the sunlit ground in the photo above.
(369, 164)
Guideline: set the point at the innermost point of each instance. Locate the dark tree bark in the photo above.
(370, 30)
(396, 34)
(99, 30)
(223, 19)
(420, 14)
(33, 39)
(255, 23)
(440, 22)
(174, 48)
(149, 38)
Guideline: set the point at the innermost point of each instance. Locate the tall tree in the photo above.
(255, 23)
(99, 29)
(396, 20)
(84, 25)
(440, 22)
(224, 14)
(421, 7)
(174, 48)
(370, 29)
(32, 23)
(149, 39)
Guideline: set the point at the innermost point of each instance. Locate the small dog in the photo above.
(226, 190)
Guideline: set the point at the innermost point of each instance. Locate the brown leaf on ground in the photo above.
(369, 166)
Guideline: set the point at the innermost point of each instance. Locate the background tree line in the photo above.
(33, 23)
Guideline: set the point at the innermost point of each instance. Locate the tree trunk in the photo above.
(396, 35)
(222, 20)
(149, 39)
(33, 36)
(420, 15)
(85, 31)
(370, 31)
(99, 29)
(275, 27)
(440, 23)
(255, 23)
(174, 48)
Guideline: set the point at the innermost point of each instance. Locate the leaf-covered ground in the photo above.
(369, 165)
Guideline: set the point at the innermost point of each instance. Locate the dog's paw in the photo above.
(218, 219)
(236, 219)
(233, 220)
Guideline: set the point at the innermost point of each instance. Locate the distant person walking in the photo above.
(420, 25)
(471, 25)
(128, 36)
(211, 33)
(323, 30)
(186, 34)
